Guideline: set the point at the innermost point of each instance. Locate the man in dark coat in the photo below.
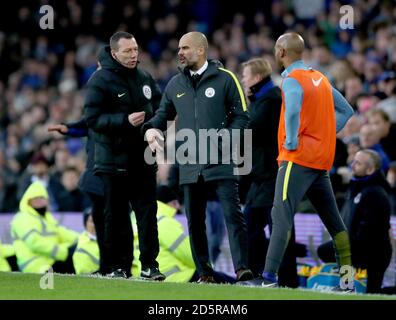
(120, 97)
(367, 214)
(205, 96)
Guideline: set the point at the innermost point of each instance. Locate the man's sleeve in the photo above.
(293, 95)
(237, 116)
(166, 112)
(94, 114)
(77, 129)
(342, 108)
(157, 95)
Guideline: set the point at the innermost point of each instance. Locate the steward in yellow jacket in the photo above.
(40, 242)
(174, 259)
(86, 256)
(6, 251)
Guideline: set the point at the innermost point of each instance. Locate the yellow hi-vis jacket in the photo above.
(6, 250)
(39, 241)
(86, 255)
(175, 259)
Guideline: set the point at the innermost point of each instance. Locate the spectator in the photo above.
(353, 88)
(5, 253)
(370, 139)
(39, 242)
(367, 215)
(71, 198)
(39, 170)
(389, 104)
(380, 121)
(391, 178)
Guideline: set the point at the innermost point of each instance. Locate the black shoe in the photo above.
(256, 282)
(152, 274)
(244, 275)
(119, 273)
(206, 279)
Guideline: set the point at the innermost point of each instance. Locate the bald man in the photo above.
(311, 114)
(205, 96)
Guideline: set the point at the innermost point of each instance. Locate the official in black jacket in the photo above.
(119, 98)
(205, 96)
(265, 106)
(89, 183)
(366, 214)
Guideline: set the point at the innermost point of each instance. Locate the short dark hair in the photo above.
(117, 36)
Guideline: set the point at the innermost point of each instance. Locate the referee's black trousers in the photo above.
(124, 193)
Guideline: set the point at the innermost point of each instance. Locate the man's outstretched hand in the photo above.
(61, 128)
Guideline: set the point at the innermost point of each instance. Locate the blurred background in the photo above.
(43, 73)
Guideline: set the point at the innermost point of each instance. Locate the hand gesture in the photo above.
(153, 136)
(136, 118)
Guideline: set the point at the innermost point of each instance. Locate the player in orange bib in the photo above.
(311, 115)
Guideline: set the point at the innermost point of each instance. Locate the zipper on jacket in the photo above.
(196, 126)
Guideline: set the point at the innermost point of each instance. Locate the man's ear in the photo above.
(201, 51)
(370, 170)
(258, 78)
(113, 54)
(283, 52)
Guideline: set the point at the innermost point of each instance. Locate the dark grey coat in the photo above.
(217, 102)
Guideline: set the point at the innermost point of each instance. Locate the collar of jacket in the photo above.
(107, 61)
(375, 179)
(260, 88)
(213, 68)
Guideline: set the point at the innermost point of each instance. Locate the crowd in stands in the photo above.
(43, 73)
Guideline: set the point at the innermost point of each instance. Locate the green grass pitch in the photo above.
(69, 287)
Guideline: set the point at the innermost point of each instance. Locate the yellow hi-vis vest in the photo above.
(86, 255)
(175, 258)
(6, 251)
(39, 241)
